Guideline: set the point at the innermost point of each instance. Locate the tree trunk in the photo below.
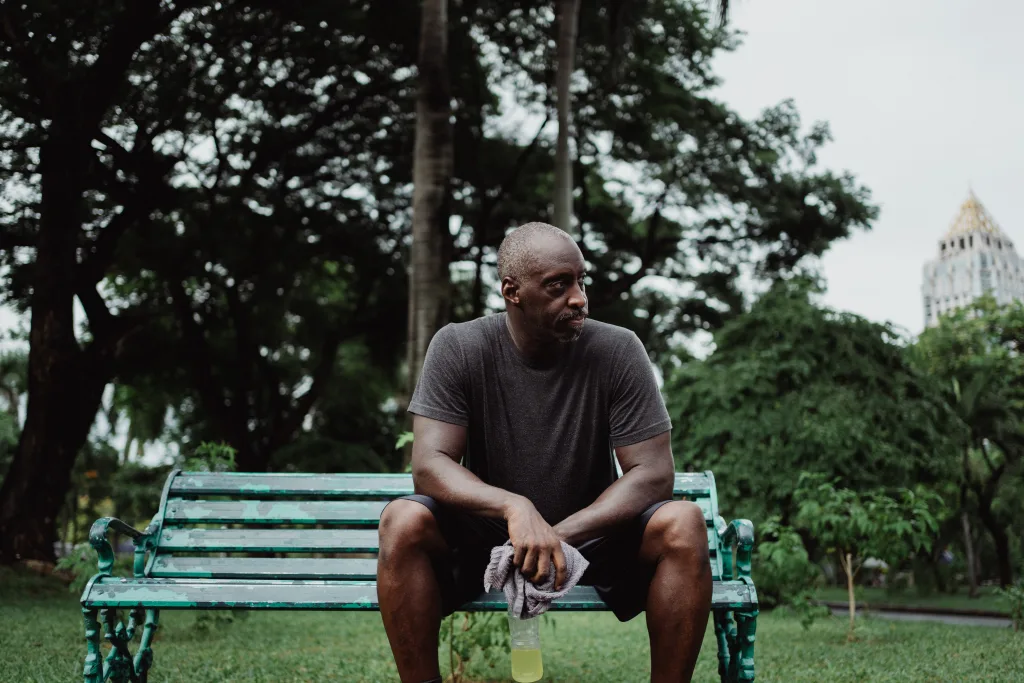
(568, 13)
(65, 384)
(1000, 539)
(972, 578)
(429, 283)
(847, 561)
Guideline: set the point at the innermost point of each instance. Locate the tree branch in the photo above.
(138, 23)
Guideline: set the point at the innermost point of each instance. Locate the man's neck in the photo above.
(536, 351)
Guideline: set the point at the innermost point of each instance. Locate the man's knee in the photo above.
(406, 524)
(679, 530)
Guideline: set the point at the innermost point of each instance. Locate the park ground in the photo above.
(42, 641)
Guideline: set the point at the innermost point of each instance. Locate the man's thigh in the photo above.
(616, 569)
(469, 539)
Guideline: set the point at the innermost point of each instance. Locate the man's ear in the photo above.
(510, 290)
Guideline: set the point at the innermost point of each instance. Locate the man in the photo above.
(515, 418)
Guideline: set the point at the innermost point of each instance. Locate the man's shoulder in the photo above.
(604, 337)
(472, 334)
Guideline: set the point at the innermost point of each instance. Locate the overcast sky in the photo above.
(924, 97)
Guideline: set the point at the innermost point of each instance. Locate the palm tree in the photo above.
(985, 405)
(568, 17)
(568, 12)
(429, 285)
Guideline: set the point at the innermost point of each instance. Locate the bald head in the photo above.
(517, 253)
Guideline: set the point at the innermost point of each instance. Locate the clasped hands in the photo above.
(536, 543)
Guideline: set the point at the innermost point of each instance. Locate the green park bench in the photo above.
(307, 542)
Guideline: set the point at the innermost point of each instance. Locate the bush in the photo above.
(82, 563)
(1014, 595)
(468, 634)
(784, 572)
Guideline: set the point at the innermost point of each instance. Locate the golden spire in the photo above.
(972, 218)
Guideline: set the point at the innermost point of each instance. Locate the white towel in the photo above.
(524, 598)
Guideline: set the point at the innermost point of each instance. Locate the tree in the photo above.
(432, 169)
(568, 18)
(677, 195)
(212, 148)
(792, 387)
(63, 73)
(245, 214)
(975, 354)
(856, 526)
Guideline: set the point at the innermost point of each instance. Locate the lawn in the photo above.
(986, 600)
(41, 640)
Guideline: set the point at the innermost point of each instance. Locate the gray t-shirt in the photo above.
(544, 433)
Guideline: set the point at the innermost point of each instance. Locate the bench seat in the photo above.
(309, 594)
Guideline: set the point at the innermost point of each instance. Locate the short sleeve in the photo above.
(440, 392)
(637, 411)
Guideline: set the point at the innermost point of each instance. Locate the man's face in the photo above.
(553, 295)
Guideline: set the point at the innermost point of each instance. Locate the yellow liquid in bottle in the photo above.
(526, 666)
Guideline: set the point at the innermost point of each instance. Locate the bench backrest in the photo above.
(303, 526)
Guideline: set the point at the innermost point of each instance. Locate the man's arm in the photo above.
(648, 476)
(437, 449)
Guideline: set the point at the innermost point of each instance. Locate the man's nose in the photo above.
(577, 299)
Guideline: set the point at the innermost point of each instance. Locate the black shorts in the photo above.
(615, 569)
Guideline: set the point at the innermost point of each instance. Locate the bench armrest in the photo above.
(143, 541)
(735, 537)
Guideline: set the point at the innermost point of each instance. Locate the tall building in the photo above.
(974, 257)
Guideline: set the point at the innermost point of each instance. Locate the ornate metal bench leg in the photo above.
(722, 619)
(144, 657)
(93, 672)
(119, 661)
(747, 627)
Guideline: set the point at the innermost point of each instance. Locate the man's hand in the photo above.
(536, 544)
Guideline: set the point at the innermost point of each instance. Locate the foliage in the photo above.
(1014, 596)
(211, 457)
(855, 525)
(233, 195)
(482, 636)
(404, 439)
(81, 565)
(794, 387)
(9, 432)
(975, 353)
(785, 574)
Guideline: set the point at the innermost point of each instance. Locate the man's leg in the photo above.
(679, 597)
(407, 587)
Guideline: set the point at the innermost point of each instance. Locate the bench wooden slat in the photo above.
(289, 540)
(270, 540)
(362, 513)
(268, 512)
(342, 486)
(326, 568)
(324, 595)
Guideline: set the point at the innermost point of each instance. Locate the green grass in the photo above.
(41, 640)
(986, 600)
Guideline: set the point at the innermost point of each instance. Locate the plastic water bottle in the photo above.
(526, 662)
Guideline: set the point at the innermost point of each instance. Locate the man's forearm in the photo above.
(625, 499)
(451, 484)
